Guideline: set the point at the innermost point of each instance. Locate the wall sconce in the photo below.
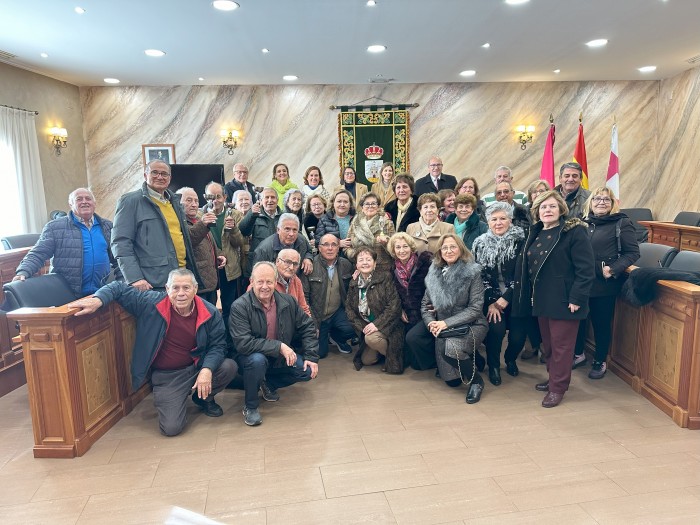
(525, 134)
(59, 139)
(229, 139)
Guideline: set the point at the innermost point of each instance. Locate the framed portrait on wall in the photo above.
(164, 152)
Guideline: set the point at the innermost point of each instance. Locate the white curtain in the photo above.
(24, 204)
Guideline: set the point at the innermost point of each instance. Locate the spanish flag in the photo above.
(580, 155)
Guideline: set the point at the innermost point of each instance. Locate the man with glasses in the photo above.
(287, 280)
(504, 174)
(521, 217)
(326, 288)
(287, 236)
(150, 235)
(570, 176)
(240, 182)
(435, 180)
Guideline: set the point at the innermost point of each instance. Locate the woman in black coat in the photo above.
(409, 273)
(403, 210)
(554, 281)
(615, 248)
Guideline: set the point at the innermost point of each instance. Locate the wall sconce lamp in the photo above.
(525, 134)
(59, 139)
(229, 139)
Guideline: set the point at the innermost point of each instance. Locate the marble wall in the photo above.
(58, 104)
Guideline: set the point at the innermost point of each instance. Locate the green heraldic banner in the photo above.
(370, 138)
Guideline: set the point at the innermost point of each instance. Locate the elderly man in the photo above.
(287, 236)
(521, 217)
(207, 255)
(261, 220)
(326, 288)
(504, 174)
(150, 235)
(288, 281)
(239, 182)
(266, 322)
(180, 338)
(570, 176)
(435, 180)
(78, 245)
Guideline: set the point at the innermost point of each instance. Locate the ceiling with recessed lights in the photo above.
(327, 41)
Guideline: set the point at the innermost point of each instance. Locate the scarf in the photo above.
(427, 228)
(402, 208)
(363, 307)
(366, 230)
(468, 225)
(403, 270)
(351, 189)
(490, 250)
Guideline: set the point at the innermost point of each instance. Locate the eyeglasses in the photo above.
(241, 171)
(287, 262)
(449, 248)
(370, 205)
(329, 244)
(162, 174)
(538, 192)
(434, 165)
(606, 200)
(503, 192)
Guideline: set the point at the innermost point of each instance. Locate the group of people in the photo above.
(421, 273)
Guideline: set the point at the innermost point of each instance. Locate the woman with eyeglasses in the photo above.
(536, 189)
(348, 181)
(427, 231)
(374, 310)
(315, 208)
(293, 203)
(615, 248)
(471, 186)
(371, 228)
(466, 222)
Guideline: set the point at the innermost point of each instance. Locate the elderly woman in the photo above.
(496, 251)
(374, 310)
(242, 202)
(469, 185)
(348, 181)
(383, 188)
(453, 301)
(555, 279)
(313, 184)
(447, 203)
(403, 210)
(281, 181)
(338, 218)
(371, 228)
(427, 231)
(615, 248)
(410, 270)
(535, 189)
(467, 224)
(292, 203)
(315, 208)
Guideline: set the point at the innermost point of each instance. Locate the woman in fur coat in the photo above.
(454, 297)
(371, 228)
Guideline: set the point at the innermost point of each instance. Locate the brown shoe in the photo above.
(552, 399)
(542, 387)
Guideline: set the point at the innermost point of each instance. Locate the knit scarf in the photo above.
(491, 250)
(427, 228)
(469, 224)
(401, 211)
(404, 270)
(363, 306)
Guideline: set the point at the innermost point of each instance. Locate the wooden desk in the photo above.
(675, 235)
(78, 373)
(656, 350)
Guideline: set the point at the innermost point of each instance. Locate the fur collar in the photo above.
(570, 224)
(445, 290)
(491, 250)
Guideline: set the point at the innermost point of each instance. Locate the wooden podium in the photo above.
(674, 235)
(78, 374)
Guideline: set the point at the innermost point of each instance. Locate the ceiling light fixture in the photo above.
(265, 50)
(44, 55)
(556, 71)
(290, 78)
(79, 10)
(598, 42)
(154, 52)
(225, 5)
(467, 73)
(646, 69)
(516, 2)
(111, 80)
(376, 48)
(201, 79)
(371, 3)
(486, 45)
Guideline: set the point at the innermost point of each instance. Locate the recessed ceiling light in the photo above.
(556, 71)
(79, 10)
(376, 48)
(265, 50)
(599, 42)
(486, 45)
(647, 69)
(290, 78)
(154, 52)
(111, 80)
(467, 73)
(44, 55)
(371, 3)
(225, 5)
(201, 78)
(516, 2)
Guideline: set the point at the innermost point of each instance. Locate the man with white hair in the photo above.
(504, 174)
(239, 182)
(287, 236)
(78, 245)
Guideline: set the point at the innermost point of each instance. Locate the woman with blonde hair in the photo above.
(409, 273)
(383, 187)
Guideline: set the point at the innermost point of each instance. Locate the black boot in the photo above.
(495, 376)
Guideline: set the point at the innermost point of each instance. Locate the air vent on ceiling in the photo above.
(694, 60)
(4, 55)
(381, 80)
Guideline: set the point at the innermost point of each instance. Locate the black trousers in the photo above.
(517, 328)
(419, 348)
(601, 313)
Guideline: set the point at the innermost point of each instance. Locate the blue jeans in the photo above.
(339, 328)
(256, 367)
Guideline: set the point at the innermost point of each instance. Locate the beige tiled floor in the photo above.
(365, 447)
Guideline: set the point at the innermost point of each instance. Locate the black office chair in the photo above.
(639, 214)
(655, 255)
(25, 240)
(688, 218)
(51, 289)
(686, 261)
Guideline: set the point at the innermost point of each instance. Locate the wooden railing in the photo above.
(675, 235)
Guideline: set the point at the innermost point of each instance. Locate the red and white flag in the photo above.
(612, 180)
